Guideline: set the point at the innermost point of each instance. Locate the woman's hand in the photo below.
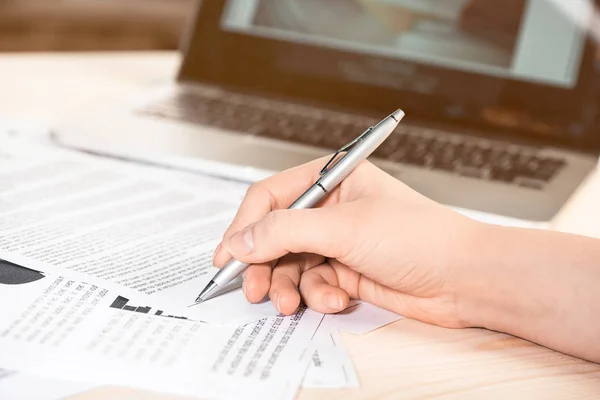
(377, 240)
(372, 238)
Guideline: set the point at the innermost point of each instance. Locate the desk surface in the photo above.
(406, 359)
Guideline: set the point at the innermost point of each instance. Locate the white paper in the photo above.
(331, 366)
(363, 318)
(62, 329)
(181, 251)
(17, 386)
(24, 129)
(145, 233)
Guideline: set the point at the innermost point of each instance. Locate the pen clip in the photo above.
(343, 149)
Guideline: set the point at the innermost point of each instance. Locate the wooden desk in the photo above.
(407, 359)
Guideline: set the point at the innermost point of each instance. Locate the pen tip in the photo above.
(208, 292)
(397, 115)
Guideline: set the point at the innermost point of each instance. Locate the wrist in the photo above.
(535, 284)
(492, 289)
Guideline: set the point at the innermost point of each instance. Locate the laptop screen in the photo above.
(511, 67)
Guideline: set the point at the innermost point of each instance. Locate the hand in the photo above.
(373, 238)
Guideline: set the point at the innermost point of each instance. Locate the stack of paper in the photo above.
(100, 263)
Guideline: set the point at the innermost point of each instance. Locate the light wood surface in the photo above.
(407, 359)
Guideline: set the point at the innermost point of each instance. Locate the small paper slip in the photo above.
(331, 366)
(361, 318)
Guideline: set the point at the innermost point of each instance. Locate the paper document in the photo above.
(331, 366)
(362, 318)
(146, 234)
(115, 255)
(148, 237)
(17, 386)
(63, 329)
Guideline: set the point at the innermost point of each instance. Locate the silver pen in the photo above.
(332, 174)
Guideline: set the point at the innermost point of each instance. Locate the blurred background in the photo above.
(91, 25)
(53, 63)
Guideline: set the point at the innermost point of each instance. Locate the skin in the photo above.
(377, 240)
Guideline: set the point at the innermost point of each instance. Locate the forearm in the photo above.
(539, 285)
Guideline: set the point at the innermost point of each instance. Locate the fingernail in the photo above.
(216, 251)
(276, 299)
(334, 301)
(241, 243)
(249, 283)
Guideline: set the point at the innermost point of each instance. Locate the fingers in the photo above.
(257, 279)
(275, 192)
(360, 287)
(327, 231)
(320, 290)
(284, 288)
(286, 278)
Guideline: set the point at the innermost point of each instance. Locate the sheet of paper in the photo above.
(363, 318)
(62, 329)
(133, 302)
(331, 366)
(17, 386)
(142, 232)
(24, 129)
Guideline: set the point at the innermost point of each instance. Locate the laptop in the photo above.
(501, 98)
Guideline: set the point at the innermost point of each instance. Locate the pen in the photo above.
(332, 174)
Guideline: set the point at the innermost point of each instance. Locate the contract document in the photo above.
(145, 233)
(59, 328)
(131, 246)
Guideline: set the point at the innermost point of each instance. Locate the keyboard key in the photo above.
(502, 175)
(530, 183)
(471, 172)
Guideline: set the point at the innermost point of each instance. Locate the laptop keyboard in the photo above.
(426, 148)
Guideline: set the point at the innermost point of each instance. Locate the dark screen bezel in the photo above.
(253, 64)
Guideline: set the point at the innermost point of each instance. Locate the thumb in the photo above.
(324, 231)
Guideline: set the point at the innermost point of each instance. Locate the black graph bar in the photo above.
(119, 302)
